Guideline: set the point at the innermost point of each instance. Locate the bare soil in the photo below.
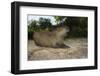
(78, 50)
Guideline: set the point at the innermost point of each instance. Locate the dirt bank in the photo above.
(78, 49)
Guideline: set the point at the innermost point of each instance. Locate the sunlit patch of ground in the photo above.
(78, 49)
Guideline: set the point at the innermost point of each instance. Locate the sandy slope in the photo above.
(78, 49)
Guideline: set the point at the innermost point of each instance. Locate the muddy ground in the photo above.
(77, 50)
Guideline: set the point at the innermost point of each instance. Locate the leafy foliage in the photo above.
(59, 19)
(45, 23)
(41, 25)
(78, 25)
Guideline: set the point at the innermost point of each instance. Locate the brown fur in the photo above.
(52, 38)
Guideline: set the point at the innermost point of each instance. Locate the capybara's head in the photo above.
(62, 30)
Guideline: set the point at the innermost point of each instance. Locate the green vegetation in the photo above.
(78, 25)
